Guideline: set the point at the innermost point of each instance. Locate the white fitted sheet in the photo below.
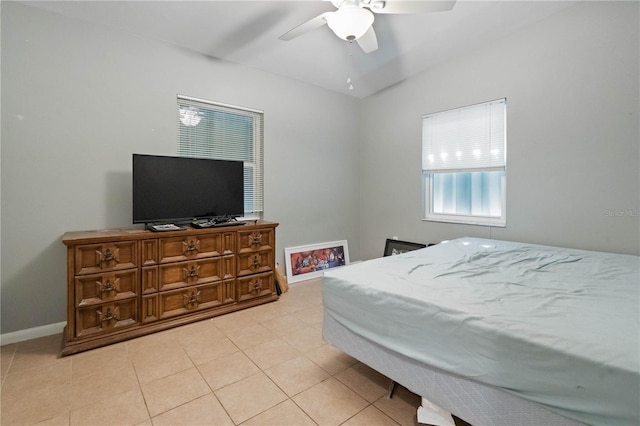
(556, 326)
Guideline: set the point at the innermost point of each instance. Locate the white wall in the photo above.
(78, 100)
(573, 161)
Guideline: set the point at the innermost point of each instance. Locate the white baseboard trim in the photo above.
(31, 333)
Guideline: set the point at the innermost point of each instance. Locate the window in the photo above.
(224, 132)
(464, 164)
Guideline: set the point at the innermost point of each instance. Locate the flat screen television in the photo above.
(180, 189)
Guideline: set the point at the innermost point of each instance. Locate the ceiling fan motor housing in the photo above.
(350, 22)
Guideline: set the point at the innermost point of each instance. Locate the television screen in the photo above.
(172, 189)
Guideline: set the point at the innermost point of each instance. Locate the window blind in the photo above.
(472, 137)
(224, 132)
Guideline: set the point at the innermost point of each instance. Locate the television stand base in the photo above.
(212, 223)
(164, 227)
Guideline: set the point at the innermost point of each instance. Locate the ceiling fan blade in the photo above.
(368, 42)
(308, 26)
(404, 6)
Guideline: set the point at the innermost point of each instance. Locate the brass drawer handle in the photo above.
(256, 286)
(108, 286)
(109, 315)
(107, 257)
(255, 264)
(191, 299)
(191, 246)
(192, 272)
(255, 239)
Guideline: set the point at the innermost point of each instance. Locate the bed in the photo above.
(497, 332)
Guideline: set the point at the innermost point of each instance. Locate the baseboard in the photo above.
(31, 333)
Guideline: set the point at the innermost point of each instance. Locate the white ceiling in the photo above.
(246, 32)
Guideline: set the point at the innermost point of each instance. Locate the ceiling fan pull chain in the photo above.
(349, 81)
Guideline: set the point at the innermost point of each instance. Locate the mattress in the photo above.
(559, 327)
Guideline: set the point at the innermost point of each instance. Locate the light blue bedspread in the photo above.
(560, 327)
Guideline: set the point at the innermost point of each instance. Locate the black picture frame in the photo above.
(394, 247)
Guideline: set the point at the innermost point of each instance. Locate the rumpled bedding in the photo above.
(560, 327)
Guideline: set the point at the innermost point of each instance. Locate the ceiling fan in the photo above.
(354, 18)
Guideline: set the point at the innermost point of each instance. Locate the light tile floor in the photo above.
(266, 365)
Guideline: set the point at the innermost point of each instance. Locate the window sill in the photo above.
(467, 220)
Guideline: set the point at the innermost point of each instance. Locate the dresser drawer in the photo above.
(228, 267)
(149, 280)
(229, 243)
(149, 309)
(191, 299)
(149, 252)
(95, 258)
(183, 274)
(254, 262)
(256, 240)
(255, 286)
(107, 287)
(197, 246)
(96, 319)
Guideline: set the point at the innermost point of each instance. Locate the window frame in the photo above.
(481, 220)
(427, 178)
(257, 145)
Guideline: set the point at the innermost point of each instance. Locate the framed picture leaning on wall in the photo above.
(393, 247)
(306, 262)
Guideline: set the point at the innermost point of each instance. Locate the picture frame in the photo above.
(310, 261)
(395, 247)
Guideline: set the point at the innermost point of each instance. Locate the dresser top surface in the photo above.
(137, 232)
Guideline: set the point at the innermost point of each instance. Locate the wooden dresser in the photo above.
(125, 283)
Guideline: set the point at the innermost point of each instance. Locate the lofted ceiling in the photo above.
(246, 33)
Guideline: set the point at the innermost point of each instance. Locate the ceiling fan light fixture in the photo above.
(350, 23)
(190, 116)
